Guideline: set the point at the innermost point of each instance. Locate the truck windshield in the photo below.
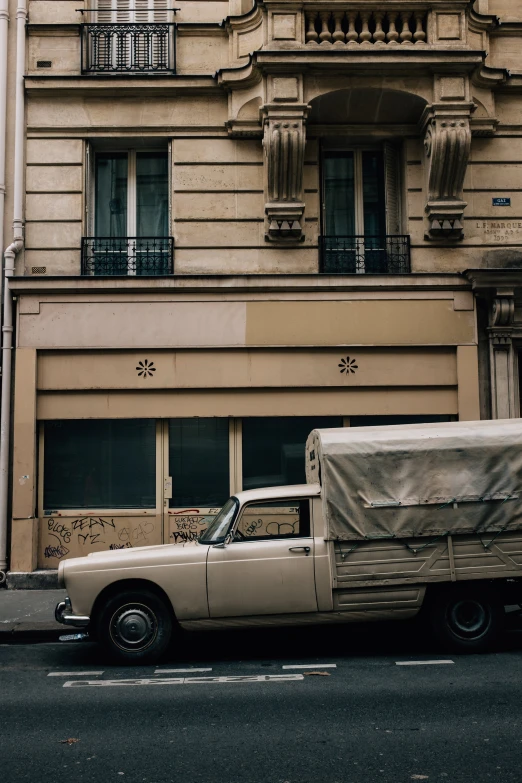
(218, 529)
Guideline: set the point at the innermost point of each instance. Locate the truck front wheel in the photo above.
(466, 619)
(135, 626)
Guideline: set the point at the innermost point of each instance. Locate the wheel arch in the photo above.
(122, 585)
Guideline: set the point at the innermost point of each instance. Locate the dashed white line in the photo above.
(182, 681)
(310, 666)
(180, 671)
(421, 663)
(75, 674)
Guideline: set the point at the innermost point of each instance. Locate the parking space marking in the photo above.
(421, 663)
(183, 681)
(180, 671)
(75, 674)
(310, 666)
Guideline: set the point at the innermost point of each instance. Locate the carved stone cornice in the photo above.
(503, 310)
(447, 143)
(491, 78)
(502, 318)
(500, 339)
(284, 143)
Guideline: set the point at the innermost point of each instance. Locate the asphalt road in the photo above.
(246, 719)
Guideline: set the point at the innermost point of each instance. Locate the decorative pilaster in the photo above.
(447, 143)
(284, 143)
(503, 386)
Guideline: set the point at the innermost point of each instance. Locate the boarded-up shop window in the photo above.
(100, 464)
(274, 449)
(199, 462)
(382, 421)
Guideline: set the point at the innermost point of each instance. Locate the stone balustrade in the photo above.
(350, 26)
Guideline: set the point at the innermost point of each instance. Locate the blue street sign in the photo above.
(502, 201)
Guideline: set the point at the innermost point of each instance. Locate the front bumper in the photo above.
(63, 614)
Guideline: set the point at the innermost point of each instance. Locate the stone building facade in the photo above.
(240, 223)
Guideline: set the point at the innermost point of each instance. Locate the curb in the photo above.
(32, 580)
(49, 631)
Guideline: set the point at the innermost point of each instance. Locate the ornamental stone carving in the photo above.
(503, 311)
(284, 143)
(502, 357)
(447, 143)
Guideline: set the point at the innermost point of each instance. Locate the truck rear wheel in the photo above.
(467, 619)
(135, 626)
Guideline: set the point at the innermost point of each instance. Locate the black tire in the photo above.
(466, 620)
(135, 626)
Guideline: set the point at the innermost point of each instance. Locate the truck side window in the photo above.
(278, 519)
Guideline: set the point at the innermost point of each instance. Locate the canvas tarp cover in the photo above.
(418, 480)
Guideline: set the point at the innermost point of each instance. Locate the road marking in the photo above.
(310, 666)
(421, 663)
(180, 671)
(75, 674)
(182, 681)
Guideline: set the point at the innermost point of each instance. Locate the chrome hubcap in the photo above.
(469, 618)
(133, 627)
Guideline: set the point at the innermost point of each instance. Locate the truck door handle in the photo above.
(305, 549)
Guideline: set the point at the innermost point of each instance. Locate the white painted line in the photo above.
(75, 674)
(182, 681)
(180, 671)
(421, 663)
(310, 666)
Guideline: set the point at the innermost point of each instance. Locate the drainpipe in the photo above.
(9, 255)
(4, 26)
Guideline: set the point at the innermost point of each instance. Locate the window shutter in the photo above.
(124, 14)
(133, 11)
(392, 188)
(150, 11)
(104, 12)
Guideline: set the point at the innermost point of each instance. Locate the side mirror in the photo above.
(226, 541)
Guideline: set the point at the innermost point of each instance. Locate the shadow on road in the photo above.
(305, 644)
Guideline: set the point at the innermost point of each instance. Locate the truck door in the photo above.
(268, 568)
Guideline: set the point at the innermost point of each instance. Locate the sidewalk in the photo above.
(29, 613)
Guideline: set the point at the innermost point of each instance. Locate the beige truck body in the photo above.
(275, 581)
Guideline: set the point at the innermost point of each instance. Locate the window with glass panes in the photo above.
(131, 194)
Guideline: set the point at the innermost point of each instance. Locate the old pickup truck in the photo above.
(392, 521)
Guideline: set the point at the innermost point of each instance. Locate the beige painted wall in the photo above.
(163, 324)
(204, 369)
(255, 402)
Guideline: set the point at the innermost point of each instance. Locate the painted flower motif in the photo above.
(348, 365)
(145, 368)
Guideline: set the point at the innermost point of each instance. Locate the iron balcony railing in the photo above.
(372, 255)
(127, 256)
(129, 48)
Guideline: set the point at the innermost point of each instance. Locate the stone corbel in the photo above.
(284, 138)
(448, 143)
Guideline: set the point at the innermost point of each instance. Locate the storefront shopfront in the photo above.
(138, 413)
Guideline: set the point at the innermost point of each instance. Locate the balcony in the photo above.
(124, 256)
(129, 48)
(366, 26)
(352, 255)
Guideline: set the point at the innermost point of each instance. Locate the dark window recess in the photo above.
(100, 464)
(381, 421)
(361, 213)
(274, 449)
(131, 216)
(44, 64)
(199, 462)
